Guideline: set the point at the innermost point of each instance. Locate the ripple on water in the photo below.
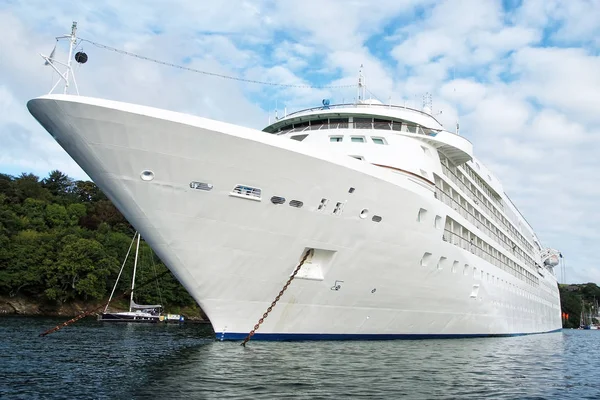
(95, 360)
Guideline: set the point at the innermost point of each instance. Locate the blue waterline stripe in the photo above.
(342, 336)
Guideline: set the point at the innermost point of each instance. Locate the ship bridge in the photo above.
(372, 114)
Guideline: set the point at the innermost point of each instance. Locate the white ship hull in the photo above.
(234, 254)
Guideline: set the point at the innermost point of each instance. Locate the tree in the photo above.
(104, 211)
(62, 240)
(25, 261)
(7, 187)
(75, 212)
(59, 184)
(57, 216)
(29, 186)
(33, 214)
(80, 270)
(88, 192)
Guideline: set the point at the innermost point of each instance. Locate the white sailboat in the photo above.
(137, 312)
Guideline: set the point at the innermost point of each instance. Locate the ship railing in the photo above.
(360, 105)
(393, 126)
(456, 206)
(490, 213)
(468, 245)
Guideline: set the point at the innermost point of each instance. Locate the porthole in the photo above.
(296, 203)
(147, 175)
(376, 218)
(364, 213)
(277, 200)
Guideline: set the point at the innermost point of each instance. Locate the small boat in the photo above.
(137, 312)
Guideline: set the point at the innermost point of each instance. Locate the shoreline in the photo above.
(27, 307)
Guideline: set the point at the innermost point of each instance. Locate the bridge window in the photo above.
(336, 138)
(301, 124)
(357, 139)
(382, 124)
(335, 123)
(378, 140)
(363, 123)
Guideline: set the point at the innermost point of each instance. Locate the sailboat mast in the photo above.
(137, 249)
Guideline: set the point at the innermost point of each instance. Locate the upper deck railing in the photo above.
(394, 126)
(360, 105)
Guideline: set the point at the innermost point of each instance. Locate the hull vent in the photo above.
(201, 186)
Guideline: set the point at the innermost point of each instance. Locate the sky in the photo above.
(521, 77)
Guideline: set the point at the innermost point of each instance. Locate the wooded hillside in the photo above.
(62, 239)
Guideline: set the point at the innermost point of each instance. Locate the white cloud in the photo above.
(567, 79)
(528, 105)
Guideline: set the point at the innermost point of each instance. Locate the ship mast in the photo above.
(137, 249)
(68, 74)
(361, 85)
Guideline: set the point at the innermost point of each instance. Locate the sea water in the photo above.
(95, 360)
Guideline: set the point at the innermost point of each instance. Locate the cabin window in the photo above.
(299, 137)
(336, 138)
(357, 139)
(378, 140)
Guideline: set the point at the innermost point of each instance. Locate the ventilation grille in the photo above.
(246, 192)
(296, 203)
(277, 200)
(201, 185)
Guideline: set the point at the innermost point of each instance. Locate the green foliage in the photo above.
(62, 239)
(577, 298)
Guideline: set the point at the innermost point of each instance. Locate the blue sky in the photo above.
(523, 78)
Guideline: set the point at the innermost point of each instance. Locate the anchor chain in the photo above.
(262, 319)
(96, 309)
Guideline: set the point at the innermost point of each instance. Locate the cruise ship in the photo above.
(377, 222)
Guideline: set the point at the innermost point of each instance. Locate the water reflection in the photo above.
(531, 366)
(94, 360)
